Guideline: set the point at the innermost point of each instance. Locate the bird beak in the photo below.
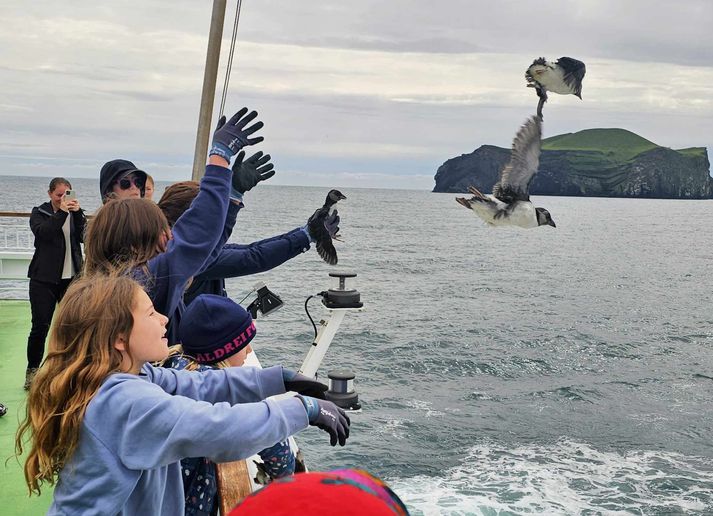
(342, 197)
(551, 223)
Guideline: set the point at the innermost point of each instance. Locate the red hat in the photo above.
(349, 492)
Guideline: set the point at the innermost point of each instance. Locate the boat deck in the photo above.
(14, 328)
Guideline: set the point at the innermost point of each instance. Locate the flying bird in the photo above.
(564, 76)
(323, 226)
(510, 205)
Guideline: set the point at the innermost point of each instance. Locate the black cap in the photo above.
(113, 171)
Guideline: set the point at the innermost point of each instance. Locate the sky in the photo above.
(353, 94)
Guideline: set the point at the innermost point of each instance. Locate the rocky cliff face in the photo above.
(656, 173)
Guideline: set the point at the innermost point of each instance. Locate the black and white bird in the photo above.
(564, 76)
(323, 226)
(510, 205)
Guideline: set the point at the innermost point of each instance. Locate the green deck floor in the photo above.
(14, 327)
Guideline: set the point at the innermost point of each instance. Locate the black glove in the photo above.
(328, 417)
(250, 172)
(301, 384)
(230, 137)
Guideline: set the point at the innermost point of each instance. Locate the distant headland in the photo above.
(593, 162)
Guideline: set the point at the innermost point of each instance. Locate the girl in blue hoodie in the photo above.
(110, 430)
(132, 236)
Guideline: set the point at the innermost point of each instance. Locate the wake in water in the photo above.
(564, 479)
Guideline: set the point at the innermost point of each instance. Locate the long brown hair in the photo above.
(124, 233)
(93, 314)
(177, 198)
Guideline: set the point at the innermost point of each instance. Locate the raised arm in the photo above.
(46, 227)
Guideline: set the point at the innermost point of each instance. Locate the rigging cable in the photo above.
(230, 58)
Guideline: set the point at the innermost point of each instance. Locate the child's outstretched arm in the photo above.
(146, 427)
(232, 384)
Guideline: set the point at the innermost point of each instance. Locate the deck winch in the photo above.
(342, 297)
(341, 390)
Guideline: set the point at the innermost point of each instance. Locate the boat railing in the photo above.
(15, 237)
(16, 249)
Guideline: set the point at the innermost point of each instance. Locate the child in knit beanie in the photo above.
(215, 332)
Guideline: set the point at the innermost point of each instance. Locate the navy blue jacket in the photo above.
(235, 260)
(196, 240)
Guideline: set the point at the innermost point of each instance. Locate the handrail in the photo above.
(27, 215)
(15, 214)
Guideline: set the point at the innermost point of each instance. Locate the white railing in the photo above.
(15, 237)
(16, 248)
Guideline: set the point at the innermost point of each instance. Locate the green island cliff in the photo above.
(593, 162)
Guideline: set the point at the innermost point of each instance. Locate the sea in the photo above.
(559, 371)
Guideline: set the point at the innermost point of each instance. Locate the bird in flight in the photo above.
(510, 205)
(323, 226)
(564, 76)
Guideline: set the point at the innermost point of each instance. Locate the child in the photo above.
(110, 429)
(215, 332)
(132, 236)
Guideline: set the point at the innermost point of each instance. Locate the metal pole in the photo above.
(208, 95)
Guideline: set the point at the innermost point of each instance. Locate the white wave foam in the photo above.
(562, 479)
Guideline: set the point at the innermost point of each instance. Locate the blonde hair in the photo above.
(124, 233)
(192, 365)
(94, 313)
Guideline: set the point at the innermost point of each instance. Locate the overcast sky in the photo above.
(369, 93)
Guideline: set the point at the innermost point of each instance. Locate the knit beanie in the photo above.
(214, 328)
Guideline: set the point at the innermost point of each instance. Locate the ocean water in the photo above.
(545, 371)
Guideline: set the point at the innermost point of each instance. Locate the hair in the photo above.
(177, 198)
(191, 365)
(58, 181)
(94, 313)
(124, 233)
(149, 179)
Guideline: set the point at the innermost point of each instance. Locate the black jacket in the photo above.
(46, 225)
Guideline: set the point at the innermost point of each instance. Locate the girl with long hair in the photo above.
(109, 429)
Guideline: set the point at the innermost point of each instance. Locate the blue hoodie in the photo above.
(197, 240)
(137, 428)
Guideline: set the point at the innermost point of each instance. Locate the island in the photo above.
(594, 163)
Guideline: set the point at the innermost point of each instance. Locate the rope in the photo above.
(230, 58)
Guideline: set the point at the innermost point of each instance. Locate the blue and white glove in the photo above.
(230, 137)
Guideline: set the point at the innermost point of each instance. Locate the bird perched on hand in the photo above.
(564, 76)
(510, 205)
(323, 226)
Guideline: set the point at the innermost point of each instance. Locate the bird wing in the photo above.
(515, 178)
(322, 238)
(573, 73)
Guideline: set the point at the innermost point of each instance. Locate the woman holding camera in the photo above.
(58, 226)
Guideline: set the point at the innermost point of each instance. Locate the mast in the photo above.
(208, 94)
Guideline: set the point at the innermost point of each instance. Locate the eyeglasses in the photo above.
(126, 183)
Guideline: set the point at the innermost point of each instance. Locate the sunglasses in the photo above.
(126, 183)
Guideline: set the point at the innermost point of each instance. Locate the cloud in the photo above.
(377, 92)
